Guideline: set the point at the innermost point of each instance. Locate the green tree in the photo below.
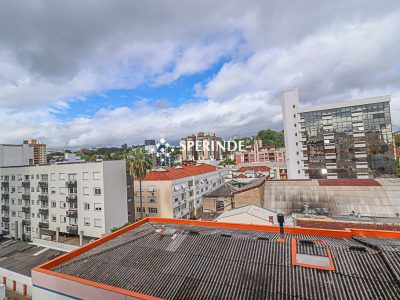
(229, 161)
(397, 140)
(139, 162)
(271, 138)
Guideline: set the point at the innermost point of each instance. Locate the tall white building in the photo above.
(87, 198)
(16, 155)
(349, 139)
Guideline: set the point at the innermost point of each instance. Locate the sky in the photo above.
(102, 73)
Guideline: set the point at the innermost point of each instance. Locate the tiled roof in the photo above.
(348, 182)
(209, 260)
(169, 173)
(254, 168)
(224, 190)
(251, 185)
(252, 210)
(241, 176)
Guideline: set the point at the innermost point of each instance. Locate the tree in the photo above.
(139, 162)
(271, 138)
(229, 161)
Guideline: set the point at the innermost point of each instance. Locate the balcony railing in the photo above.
(72, 199)
(71, 184)
(43, 184)
(26, 222)
(5, 197)
(5, 219)
(26, 197)
(5, 232)
(5, 183)
(44, 225)
(26, 184)
(73, 229)
(26, 209)
(72, 213)
(5, 207)
(43, 198)
(43, 211)
(5, 192)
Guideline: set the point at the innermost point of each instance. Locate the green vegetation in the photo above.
(271, 137)
(139, 162)
(117, 228)
(397, 140)
(229, 161)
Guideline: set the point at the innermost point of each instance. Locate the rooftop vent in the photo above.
(358, 248)
(312, 254)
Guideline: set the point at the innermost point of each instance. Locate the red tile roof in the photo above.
(255, 168)
(179, 172)
(242, 176)
(348, 182)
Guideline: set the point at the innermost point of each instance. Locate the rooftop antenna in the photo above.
(281, 220)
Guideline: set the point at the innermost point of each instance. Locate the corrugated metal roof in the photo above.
(219, 263)
(348, 182)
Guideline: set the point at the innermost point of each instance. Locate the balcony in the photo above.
(72, 229)
(26, 209)
(43, 198)
(72, 213)
(71, 184)
(44, 225)
(44, 204)
(43, 184)
(5, 219)
(5, 196)
(26, 197)
(5, 184)
(26, 237)
(5, 208)
(72, 199)
(5, 232)
(26, 222)
(26, 184)
(43, 211)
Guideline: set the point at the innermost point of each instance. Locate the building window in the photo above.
(86, 191)
(152, 210)
(86, 206)
(294, 116)
(97, 206)
(61, 176)
(97, 191)
(63, 190)
(294, 106)
(96, 175)
(53, 218)
(53, 190)
(72, 176)
(53, 176)
(97, 223)
(138, 209)
(53, 204)
(152, 200)
(63, 204)
(85, 175)
(63, 219)
(86, 222)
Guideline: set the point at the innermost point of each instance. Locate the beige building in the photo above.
(39, 152)
(250, 214)
(176, 192)
(201, 147)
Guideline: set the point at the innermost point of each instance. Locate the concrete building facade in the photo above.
(72, 198)
(176, 192)
(351, 139)
(39, 152)
(16, 155)
(259, 153)
(201, 147)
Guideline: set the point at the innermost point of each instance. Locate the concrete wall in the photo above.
(254, 196)
(210, 203)
(16, 155)
(290, 197)
(16, 282)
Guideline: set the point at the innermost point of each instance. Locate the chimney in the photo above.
(281, 220)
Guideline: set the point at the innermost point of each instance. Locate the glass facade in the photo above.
(348, 142)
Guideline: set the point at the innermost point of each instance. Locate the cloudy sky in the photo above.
(92, 73)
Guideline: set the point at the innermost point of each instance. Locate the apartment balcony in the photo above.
(5, 207)
(26, 237)
(5, 219)
(72, 199)
(361, 155)
(26, 197)
(43, 211)
(5, 192)
(43, 184)
(72, 229)
(26, 209)
(71, 184)
(72, 213)
(44, 225)
(26, 222)
(330, 156)
(44, 204)
(43, 198)
(5, 183)
(5, 197)
(26, 184)
(5, 232)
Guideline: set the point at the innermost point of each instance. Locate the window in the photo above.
(53, 190)
(72, 176)
(97, 191)
(53, 218)
(86, 206)
(86, 191)
(32, 189)
(63, 204)
(96, 175)
(20, 189)
(151, 189)
(294, 106)
(63, 190)
(12, 177)
(13, 213)
(86, 221)
(85, 175)
(61, 176)
(53, 176)
(97, 223)
(53, 204)
(152, 200)
(97, 207)
(152, 210)
(138, 209)
(63, 219)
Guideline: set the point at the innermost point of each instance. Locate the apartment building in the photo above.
(39, 152)
(86, 198)
(16, 155)
(351, 139)
(177, 192)
(259, 153)
(201, 147)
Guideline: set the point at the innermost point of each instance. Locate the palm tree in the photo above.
(139, 162)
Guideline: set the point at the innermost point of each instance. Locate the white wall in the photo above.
(16, 155)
